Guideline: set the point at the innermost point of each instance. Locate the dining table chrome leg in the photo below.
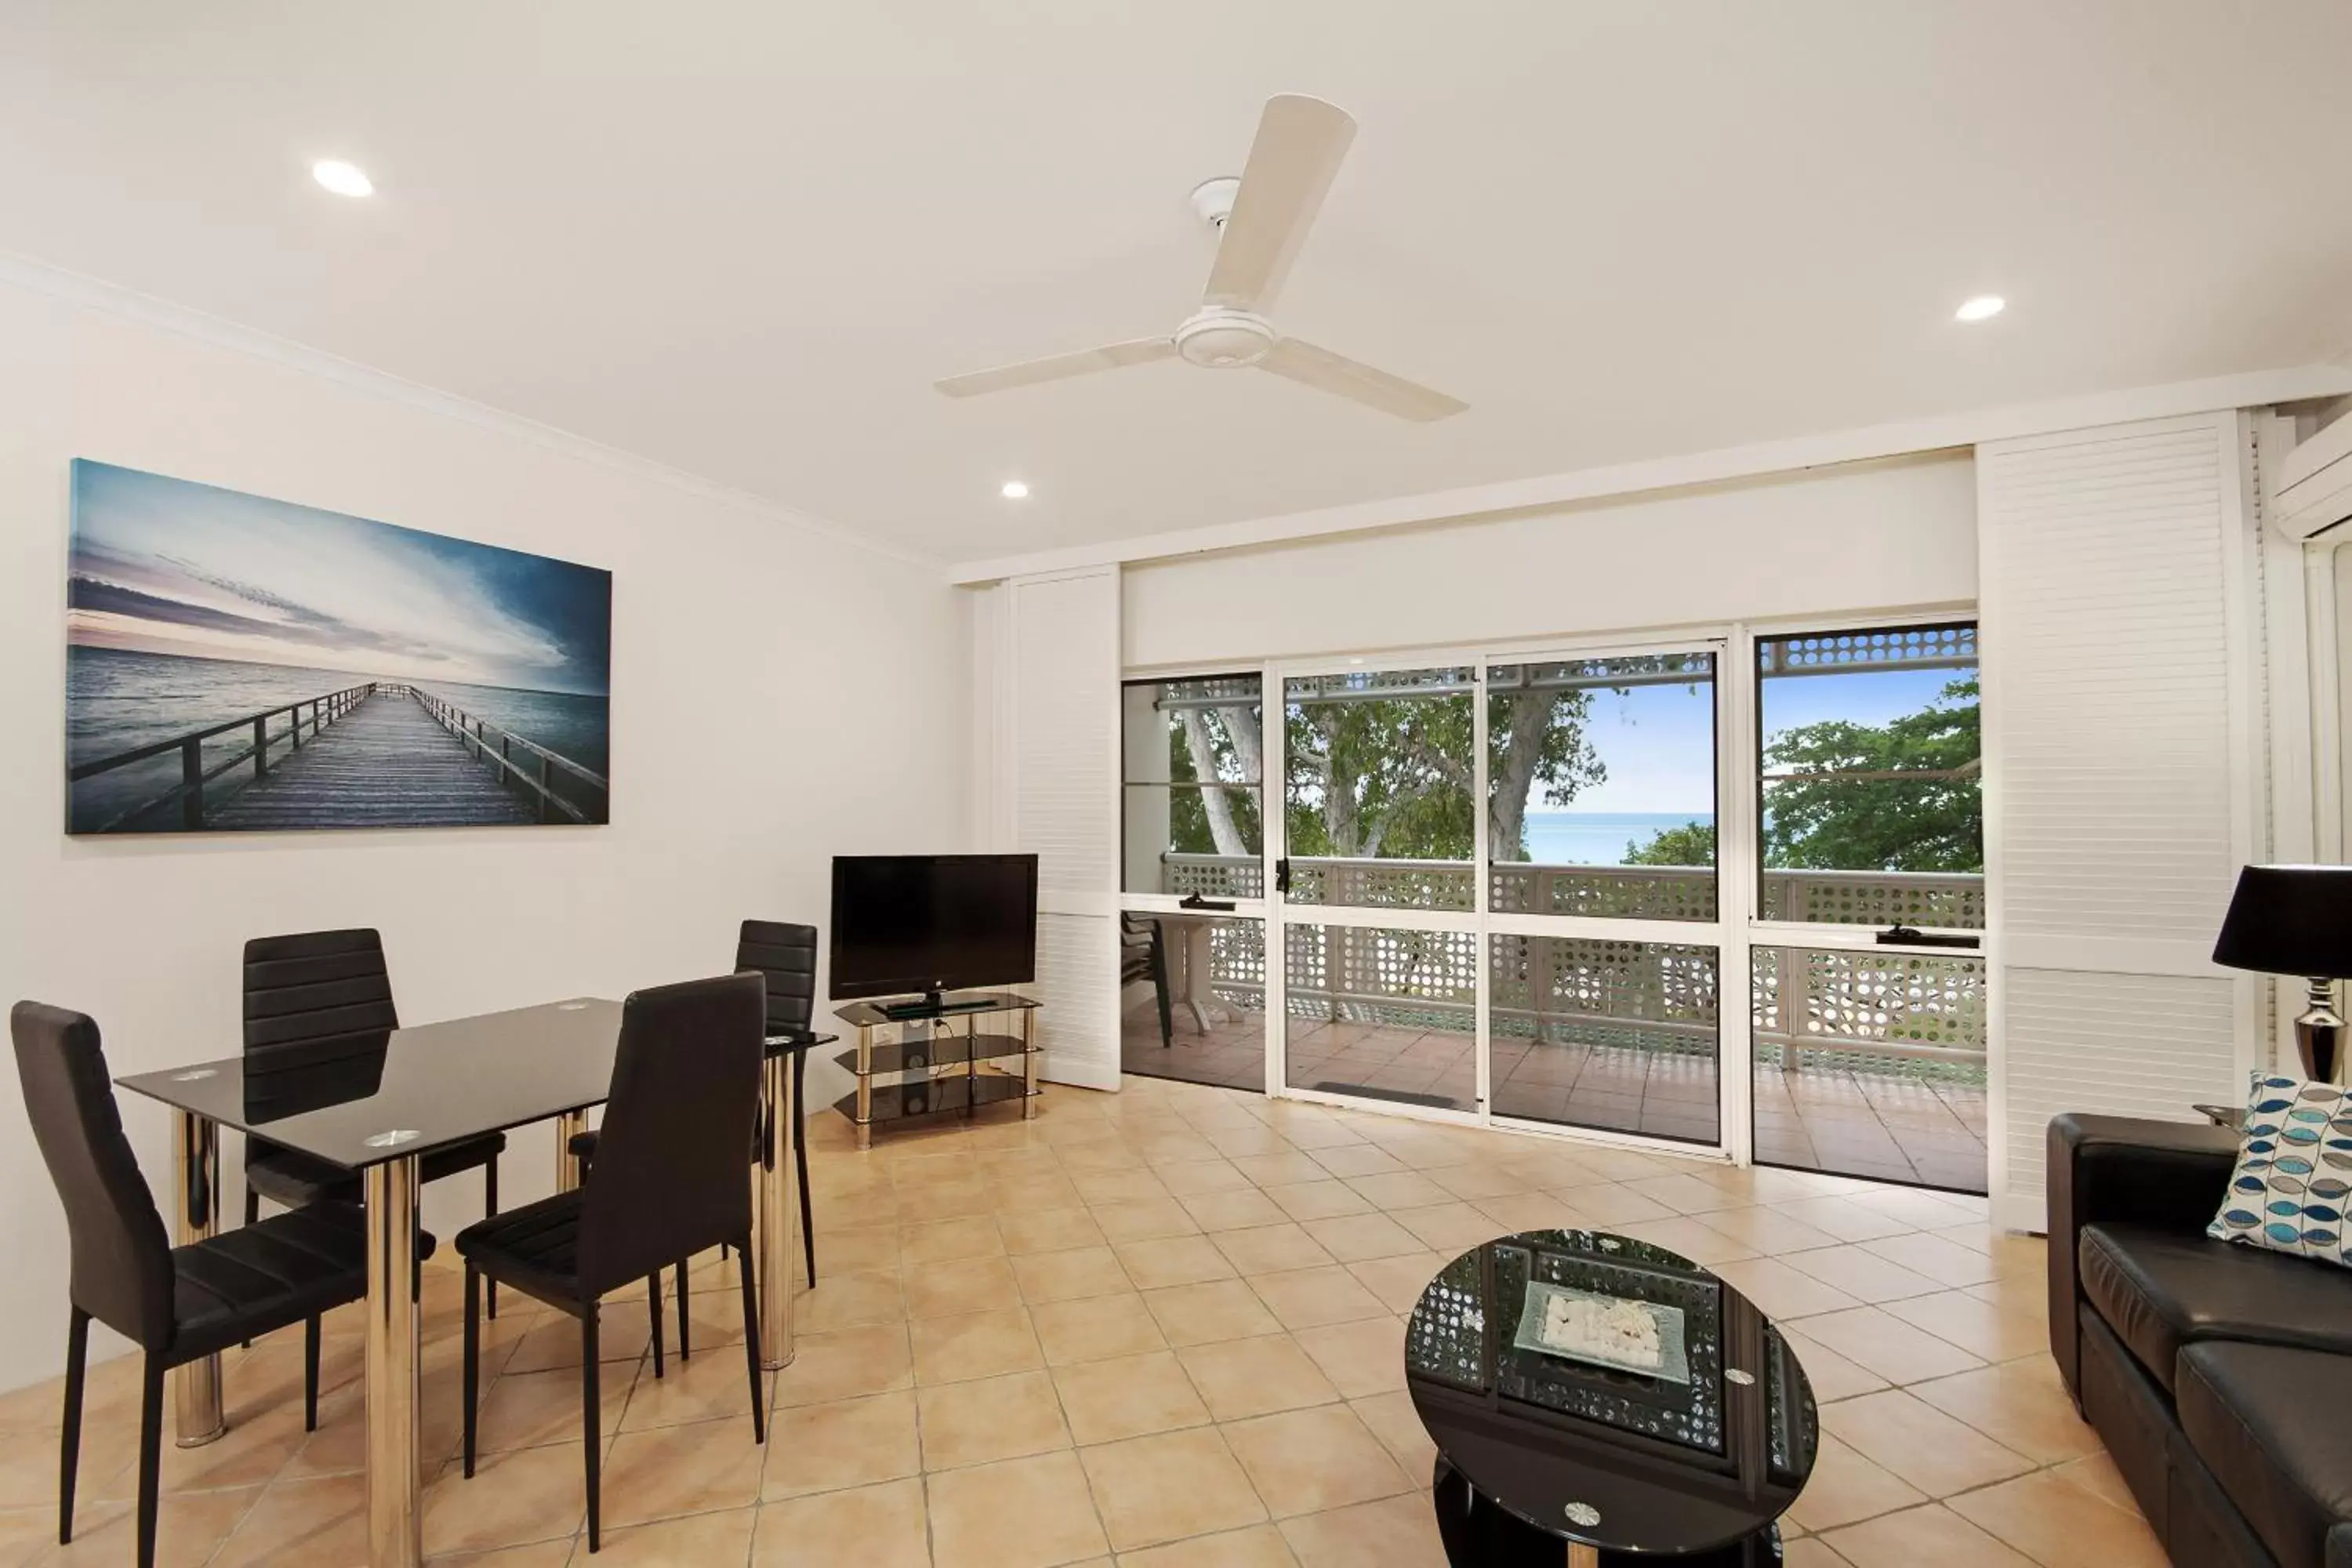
(395, 1504)
(568, 1126)
(777, 1209)
(1582, 1556)
(196, 1216)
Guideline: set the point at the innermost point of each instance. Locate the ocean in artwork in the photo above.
(218, 628)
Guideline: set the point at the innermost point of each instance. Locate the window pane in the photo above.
(1192, 998)
(1379, 798)
(1388, 1013)
(1872, 784)
(1871, 1064)
(1621, 1035)
(1601, 787)
(1192, 818)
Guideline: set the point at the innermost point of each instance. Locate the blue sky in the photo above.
(164, 565)
(1659, 740)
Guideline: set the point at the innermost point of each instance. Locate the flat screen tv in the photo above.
(904, 925)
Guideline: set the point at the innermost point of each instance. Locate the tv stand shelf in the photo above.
(968, 1051)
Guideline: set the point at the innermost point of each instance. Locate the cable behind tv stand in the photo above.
(930, 1056)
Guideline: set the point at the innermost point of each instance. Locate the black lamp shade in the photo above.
(2290, 919)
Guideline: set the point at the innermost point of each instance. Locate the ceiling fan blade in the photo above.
(1300, 141)
(1110, 356)
(1327, 372)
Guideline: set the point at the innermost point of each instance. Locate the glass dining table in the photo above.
(378, 1111)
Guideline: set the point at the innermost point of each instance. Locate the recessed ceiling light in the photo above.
(1983, 308)
(343, 179)
(1014, 490)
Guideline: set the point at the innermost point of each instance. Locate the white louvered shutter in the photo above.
(2120, 791)
(1060, 707)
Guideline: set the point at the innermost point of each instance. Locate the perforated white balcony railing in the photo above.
(1908, 1014)
(1930, 899)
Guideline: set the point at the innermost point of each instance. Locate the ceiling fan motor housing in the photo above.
(1221, 339)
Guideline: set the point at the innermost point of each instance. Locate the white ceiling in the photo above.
(744, 239)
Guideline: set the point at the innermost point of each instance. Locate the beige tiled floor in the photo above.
(1164, 1329)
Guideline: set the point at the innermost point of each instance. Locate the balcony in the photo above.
(1868, 1062)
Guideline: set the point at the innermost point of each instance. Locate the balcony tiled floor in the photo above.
(1165, 1325)
(1854, 1122)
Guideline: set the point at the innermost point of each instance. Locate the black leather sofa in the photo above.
(2220, 1377)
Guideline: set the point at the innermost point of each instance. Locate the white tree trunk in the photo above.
(1223, 832)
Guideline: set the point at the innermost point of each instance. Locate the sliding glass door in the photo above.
(1192, 961)
(1868, 987)
(1541, 888)
(1378, 885)
(1498, 890)
(1604, 949)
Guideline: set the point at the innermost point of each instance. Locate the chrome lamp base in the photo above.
(2319, 1032)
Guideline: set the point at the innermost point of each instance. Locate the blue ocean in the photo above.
(1598, 838)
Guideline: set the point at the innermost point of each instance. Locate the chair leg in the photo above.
(1160, 988)
(653, 1304)
(751, 1339)
(798, 1132)
(252, 1217)
(473, 1358)
(489, 1209)
(685, 1349)
(311, 1372)
(151, 1453)
(588, 1425)
(69, 1440)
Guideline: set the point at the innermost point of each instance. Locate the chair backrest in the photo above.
(671, 1177)
(312, 1000)
(786, 956)
(121, 1253)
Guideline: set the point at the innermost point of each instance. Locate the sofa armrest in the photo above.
(2339, 1547)
(2169, 1174)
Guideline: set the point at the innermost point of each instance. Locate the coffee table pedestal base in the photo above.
(1480, 1533)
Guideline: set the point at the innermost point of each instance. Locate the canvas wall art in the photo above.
(236, 664)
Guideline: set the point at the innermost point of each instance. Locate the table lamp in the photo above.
(2296, 920)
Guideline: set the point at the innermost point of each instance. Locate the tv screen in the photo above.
(907, 923)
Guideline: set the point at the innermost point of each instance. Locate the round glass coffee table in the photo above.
(1574, 1428)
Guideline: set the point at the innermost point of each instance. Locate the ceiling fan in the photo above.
(1264, 216)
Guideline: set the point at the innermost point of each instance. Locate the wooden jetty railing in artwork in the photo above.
(510, 756)
(480, 736)
(189, 793)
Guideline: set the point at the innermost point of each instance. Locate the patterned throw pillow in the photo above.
(2293, 1180)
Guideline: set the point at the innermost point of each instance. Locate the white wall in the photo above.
(1865, 537)
(760, 669)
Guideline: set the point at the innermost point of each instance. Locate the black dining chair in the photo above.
(1143, 955)
(312, 1000)
(668, 1183)
(176, 1303)
(785, 957)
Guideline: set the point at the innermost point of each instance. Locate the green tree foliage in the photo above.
(1906, 796)
(1691, 843)
(1386, 776)
(1393, 776)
